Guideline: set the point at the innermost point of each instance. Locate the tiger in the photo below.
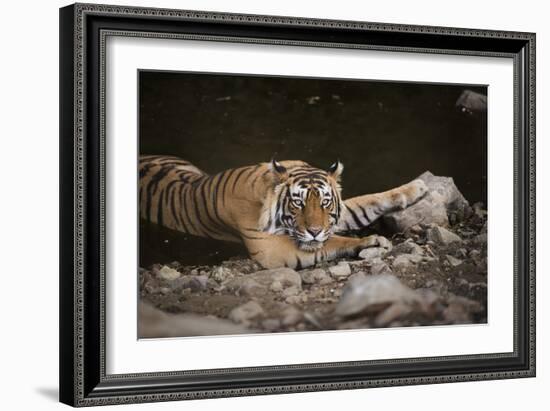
(286, 213)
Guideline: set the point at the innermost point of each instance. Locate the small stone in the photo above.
(455, 262)
(380, 267)
(316, 276)
(221, 273)
(340, 271)
(246, 312)
(462, 252)
(168, 273)
(404, 261)
(372, 252)
(194, 283)
(276, 286)
(265, 281)
(442, 236)
(416, 229)
(408, 247)
(479, 211)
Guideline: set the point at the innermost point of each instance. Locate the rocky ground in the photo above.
(434, 273)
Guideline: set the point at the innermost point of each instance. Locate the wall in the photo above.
(29, 208)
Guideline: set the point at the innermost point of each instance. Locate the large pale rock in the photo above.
(374, 292)
(265, 281)
(154, 323)
(443, 196)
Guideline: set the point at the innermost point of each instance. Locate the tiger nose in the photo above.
(314, 231)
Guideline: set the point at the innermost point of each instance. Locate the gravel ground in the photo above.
(433, 275)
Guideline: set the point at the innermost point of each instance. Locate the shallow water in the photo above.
(385, 134)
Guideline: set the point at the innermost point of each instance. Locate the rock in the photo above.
(392, 313)
(271, 324)
(168, 273)
(407, 247)
(194, 283)
(462, 252)
(455, 262)
(249, 287)
(479, 212)
(379, 267)
(291, 316)
(276, 286)
(293, 299)
(316, 276)
(262, 282)
(442, 236)
(481, 239)
(429, 303)
(373, 292)
(372, 252)
(472, 102)
(340, 271)
(246, 312)
(221, 274)
(443, 196)
(293, 290)
(359, 274)
(312, 319)
(460, 310)
(154, 323)
(404, 261)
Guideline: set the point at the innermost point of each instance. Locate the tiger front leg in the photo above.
(273, 251)
(359, 212)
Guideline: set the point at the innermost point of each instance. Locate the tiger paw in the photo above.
(417, 190)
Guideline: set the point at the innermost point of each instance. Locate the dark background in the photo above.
(385, 133)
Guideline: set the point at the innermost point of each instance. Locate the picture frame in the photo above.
(84, 82)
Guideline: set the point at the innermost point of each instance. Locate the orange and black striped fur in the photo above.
(286, 213)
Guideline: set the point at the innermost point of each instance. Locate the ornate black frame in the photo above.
(83, 30)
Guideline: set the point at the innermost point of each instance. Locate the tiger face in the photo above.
(307, 203)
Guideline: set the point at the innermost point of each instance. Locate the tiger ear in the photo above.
(335, 170)
(279, 171)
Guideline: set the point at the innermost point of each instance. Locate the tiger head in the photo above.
(304, 203)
